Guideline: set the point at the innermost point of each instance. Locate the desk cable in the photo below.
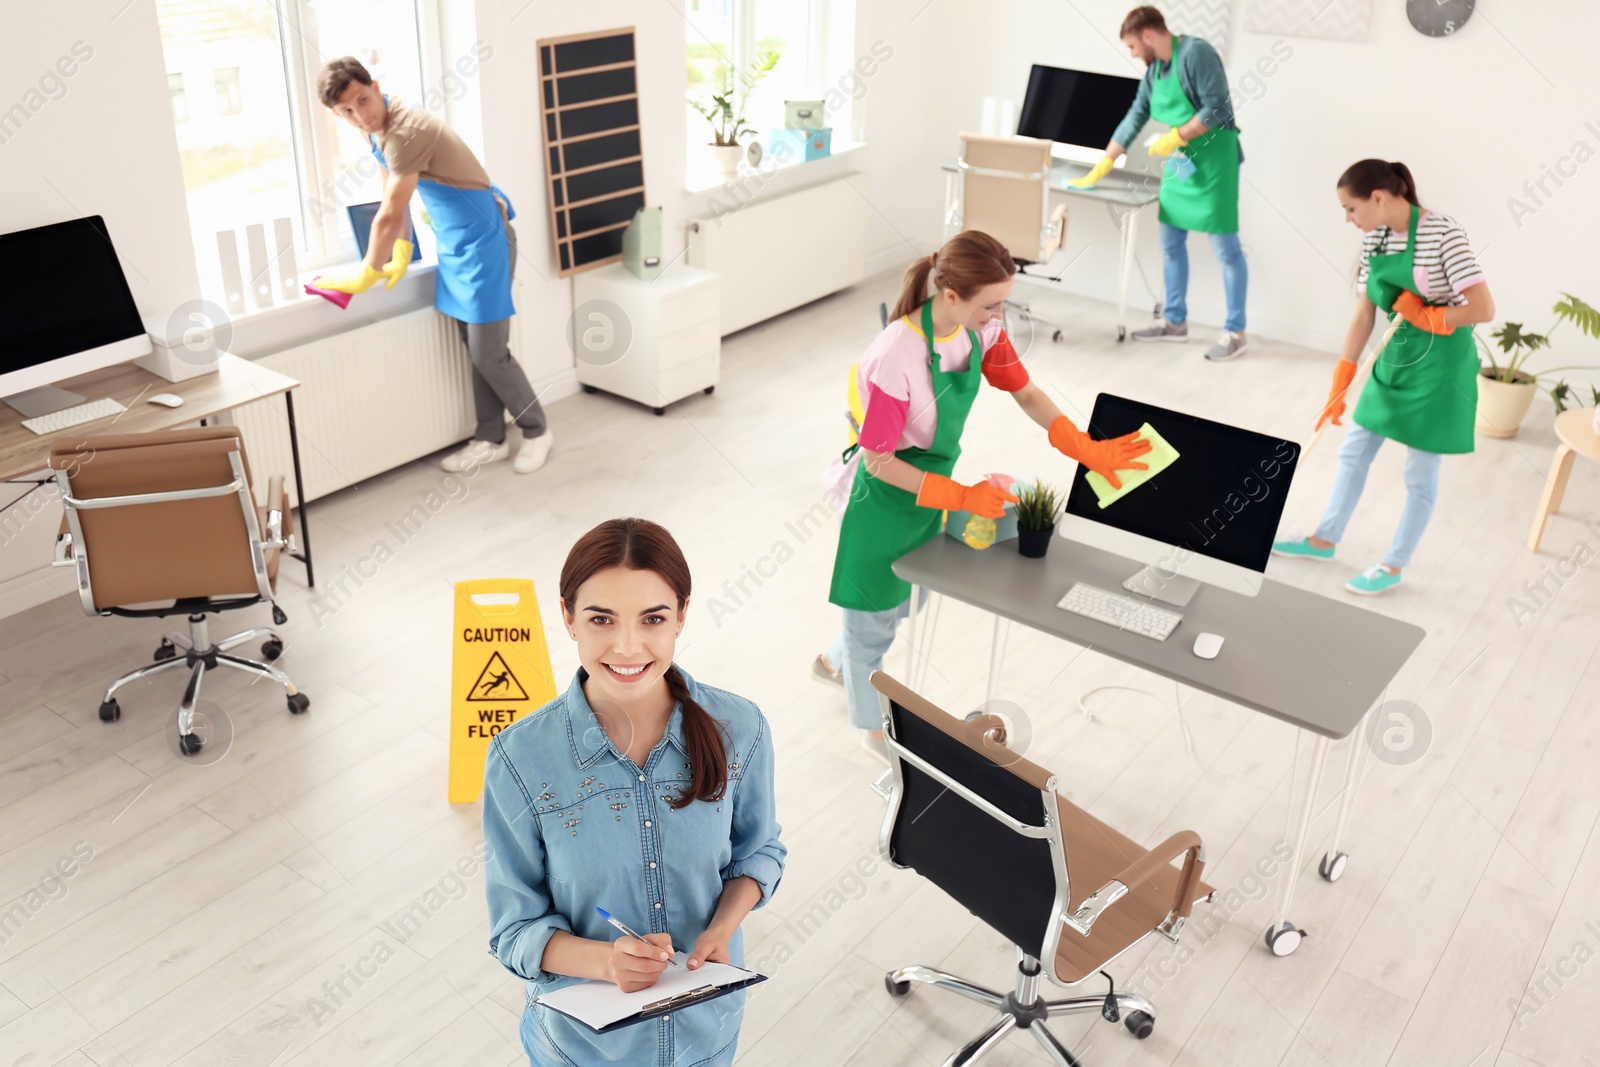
(1177, 698)
(1143, 277)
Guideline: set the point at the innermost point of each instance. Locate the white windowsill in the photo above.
(704, 175)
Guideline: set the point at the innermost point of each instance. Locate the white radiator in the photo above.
(777, 254)
(369, 400)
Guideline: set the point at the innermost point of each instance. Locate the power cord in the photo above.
(1188, 738)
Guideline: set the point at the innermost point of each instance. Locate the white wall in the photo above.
(1474, 116)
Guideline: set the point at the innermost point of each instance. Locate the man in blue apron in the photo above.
(477, 247)
(1185, 87)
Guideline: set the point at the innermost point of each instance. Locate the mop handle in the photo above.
(1363, 368)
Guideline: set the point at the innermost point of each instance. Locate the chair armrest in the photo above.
(1141, 871)
(66, 554)
(278, 530)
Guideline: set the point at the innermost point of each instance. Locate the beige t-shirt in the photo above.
(416, 142)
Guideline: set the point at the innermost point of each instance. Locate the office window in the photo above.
(227, 83)
(814, 41)
(274, 150)
(180, 103)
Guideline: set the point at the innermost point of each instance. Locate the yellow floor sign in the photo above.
(500, 672)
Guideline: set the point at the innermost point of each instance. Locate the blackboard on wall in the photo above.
(589, 122)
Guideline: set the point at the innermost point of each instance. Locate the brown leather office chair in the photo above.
(159, 524)
(987, 826)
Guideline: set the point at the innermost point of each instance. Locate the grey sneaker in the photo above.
(1229, 346)
(1167, 331)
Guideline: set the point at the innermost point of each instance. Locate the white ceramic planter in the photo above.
(1502, 405)
(728, 157)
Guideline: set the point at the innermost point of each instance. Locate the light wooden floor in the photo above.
(221, 903)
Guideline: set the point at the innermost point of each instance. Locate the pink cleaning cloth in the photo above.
(333, 296)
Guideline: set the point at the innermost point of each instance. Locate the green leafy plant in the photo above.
(1561, 394)
(1037, 506)
(1517, 346)
(724, 109)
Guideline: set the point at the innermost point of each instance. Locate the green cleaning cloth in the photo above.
(1161, 456)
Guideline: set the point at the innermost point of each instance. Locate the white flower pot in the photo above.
(1502, 405)
(728, 157)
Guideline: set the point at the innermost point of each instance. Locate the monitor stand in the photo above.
(45, 400)
(1152, 582)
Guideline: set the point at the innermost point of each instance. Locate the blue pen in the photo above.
(619, 924)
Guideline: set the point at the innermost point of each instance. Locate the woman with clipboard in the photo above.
(640, 791)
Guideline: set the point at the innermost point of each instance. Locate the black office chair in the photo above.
(987, 826)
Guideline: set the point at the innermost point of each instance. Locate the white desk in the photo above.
(1126, 193)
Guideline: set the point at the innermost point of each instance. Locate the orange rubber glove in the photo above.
(947, 494)
(1423, 316)
(1104, 457)
(1344, 372)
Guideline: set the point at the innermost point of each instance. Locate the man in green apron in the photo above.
(1185, 87)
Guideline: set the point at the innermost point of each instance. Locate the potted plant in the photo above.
(725, 109)
(1506, 390)
(1038, 505)
(1561, 393)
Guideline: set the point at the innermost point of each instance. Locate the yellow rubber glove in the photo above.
(1168, 143)
(360, 283)
(399, 262)
(1098, 171)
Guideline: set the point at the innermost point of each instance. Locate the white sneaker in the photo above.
(531, 456)
(475, 454)
(1229, 346)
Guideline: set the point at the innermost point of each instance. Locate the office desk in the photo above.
(1316, 663)
(1127, 193)
(236, 382)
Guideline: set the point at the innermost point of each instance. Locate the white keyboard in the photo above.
(80, 413)
(1124, 612)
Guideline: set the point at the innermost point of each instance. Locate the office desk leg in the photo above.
(997, 657)
(912, 619)
(1333, 861)
(934, 601)
(1127, 232)
(304, 555)
(1283, 937)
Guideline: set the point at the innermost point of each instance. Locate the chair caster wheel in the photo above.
(1332, 866)
(591, 390)
(710, 389)
(110, 711)
(190, 743)
(1122, 333)
(271, 650)
(896, 989)
(659, 411)
(164, 651)
(1284, 939)
(278, 616)
(1058, 337)
(1140, 1024)
(298, 703)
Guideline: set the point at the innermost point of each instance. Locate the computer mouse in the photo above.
(171, 400)
(1206, 646)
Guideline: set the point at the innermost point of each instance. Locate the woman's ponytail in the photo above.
(1368, 176)
(708, 757)
(914, 287)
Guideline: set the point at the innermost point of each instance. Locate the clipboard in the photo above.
(603, 1008)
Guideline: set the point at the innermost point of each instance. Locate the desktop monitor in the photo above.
(1077, 109)
(1209, 517)
(361, 216)
(68, 312)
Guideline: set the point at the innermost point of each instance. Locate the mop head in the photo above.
(333, 296)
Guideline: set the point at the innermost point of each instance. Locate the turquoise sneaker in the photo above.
(1372, 581)
(1301, 549)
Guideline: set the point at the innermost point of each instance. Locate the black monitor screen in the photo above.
(64, 293)
(361, 216)
(1222, 497)
(1074, 106)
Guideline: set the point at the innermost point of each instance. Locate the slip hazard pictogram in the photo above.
(496, 683)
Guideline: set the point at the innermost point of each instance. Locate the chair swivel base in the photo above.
(200, 656)
(1024, 1009)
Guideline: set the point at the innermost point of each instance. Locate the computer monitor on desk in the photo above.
(1209, 517)
(68, 312)
(1079, 110)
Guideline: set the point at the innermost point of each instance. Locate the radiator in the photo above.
(776, 254)
(369, 400)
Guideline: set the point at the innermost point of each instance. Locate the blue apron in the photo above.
(473, 283)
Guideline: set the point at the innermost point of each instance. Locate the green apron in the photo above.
(883, 522)
(1424, 390)
(1208, 199)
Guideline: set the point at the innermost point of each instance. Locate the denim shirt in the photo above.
(571, 824)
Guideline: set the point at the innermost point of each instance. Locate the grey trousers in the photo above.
(498, 381)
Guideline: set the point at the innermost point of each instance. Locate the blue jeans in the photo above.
(1422, 489)
(859, 650)
(1175, 264)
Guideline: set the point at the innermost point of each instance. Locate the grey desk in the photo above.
(1314, 662)
(1124, 191)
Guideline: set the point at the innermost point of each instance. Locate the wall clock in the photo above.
(1439, 18)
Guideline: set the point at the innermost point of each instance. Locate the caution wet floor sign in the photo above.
(500, 672)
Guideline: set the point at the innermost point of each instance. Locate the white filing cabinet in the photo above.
(655, 342)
